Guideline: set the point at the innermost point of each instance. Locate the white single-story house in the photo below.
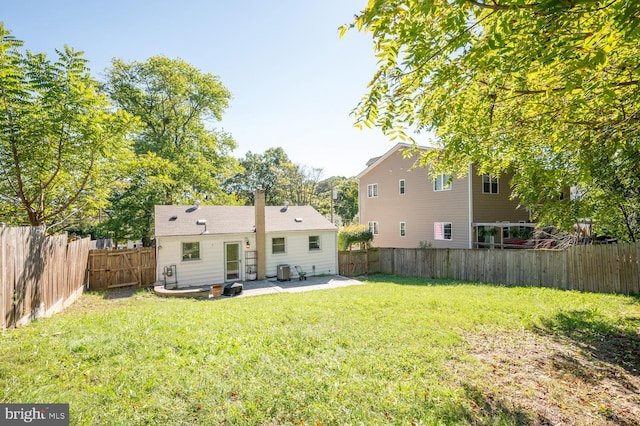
(203, 245)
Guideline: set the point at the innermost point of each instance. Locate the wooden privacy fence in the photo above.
(39, 275)
(353, 263)
(610, 268)
(121, 268)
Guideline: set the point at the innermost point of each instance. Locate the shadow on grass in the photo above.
(124, 292)
(616, 343)
(490, 409)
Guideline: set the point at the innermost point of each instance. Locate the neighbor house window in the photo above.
(442, 230)
(403, 229)
(401, 186)
(190, 251)
(442, 183)
(489, 184)
(372, 190)
(314, 242)
(373, 227)
(277, 245)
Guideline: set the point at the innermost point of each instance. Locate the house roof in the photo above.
(182, 220)
(373, 162)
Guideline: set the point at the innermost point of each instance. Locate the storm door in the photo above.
(231, 261)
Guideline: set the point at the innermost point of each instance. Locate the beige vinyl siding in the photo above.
(496, 207)
(420, 206)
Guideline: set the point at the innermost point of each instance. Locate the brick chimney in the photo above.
(261, 238)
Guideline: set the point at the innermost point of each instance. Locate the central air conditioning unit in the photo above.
(284, 273)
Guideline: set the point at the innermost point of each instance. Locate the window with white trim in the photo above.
(442, 231)
(372, 190)
(278, 245)
(489, 184)
(401, 184)
(403, 229)
(442, 183)
(314, 242)
(191, 251)
(374, 227)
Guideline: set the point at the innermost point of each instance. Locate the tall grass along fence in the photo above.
(608, 268)
(39, 275)
(121, 268)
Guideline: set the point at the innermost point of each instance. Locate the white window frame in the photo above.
(402, 187)
(372, 190)
(491, 181)
(317, 243)
(284, 245)
(403, 229)
(186, 253)
(506, 231)
(442, 183)
(440, 231)
(374, 227)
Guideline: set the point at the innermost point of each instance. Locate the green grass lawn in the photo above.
(394, 351)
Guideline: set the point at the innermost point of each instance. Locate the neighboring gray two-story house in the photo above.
(405, 208)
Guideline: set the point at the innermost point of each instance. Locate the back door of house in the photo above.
(232, 261)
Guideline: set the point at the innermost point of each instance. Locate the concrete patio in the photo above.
(269, 286)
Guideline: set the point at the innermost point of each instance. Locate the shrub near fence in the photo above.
(611, 268)
(39, 275)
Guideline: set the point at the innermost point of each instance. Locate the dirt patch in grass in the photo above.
(546, 379)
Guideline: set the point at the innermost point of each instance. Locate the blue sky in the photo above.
(293, 80)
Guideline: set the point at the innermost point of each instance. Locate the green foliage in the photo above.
(346, 204)
(423, 245)
(282, 180)
(258, 171)
(132, 202)
(354, 234)
(180, 158)
(548, 90)
(61, 140)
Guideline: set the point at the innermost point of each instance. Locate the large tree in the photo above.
(60, 137)
(176, 104)
(282, 180)
(545, 88)
(258, 171)
(341, 195)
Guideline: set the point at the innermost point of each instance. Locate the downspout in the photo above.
(470, 174)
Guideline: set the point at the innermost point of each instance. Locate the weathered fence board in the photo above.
(39, 275)
(606, 268)
(121, 268)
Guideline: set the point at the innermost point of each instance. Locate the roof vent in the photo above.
(298, 219)
(203, 222)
